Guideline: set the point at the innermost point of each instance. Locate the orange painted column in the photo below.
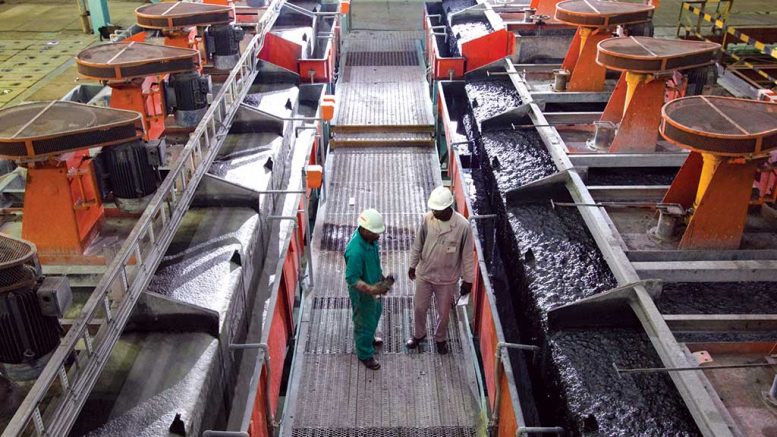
(580, 61)
(635, 106)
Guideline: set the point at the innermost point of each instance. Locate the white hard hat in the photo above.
(371, 220)
(440, 199)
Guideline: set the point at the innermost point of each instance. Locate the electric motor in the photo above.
(131, 174)
(223, 45)
(29, 329)
(188, 95)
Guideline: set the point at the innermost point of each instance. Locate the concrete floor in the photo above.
(38, 41)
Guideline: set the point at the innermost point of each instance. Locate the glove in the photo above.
(385, 285)
(380, 288)
(411, 274)
(466, 288)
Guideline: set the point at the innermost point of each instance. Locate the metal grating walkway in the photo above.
(383, 87)
(419, 393)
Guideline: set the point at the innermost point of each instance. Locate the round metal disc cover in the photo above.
(641, 54)
(598, 13)
(14, 251)
(723, 126)
(42, 129)
(119, 61)
(181, 14)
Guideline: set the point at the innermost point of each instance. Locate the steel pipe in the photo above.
(522, 430)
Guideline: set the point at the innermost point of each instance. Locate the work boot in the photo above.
(371, 363)
(442, 347)
(414, 342)
(377, 342)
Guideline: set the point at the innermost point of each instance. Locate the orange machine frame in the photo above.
(145, 97)
(585, 73)
(636, 105)
(708, 184)
(69, 187)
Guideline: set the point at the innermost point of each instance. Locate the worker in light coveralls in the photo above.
(366, 284)
(442, 253)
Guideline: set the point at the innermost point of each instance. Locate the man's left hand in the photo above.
(466, 288)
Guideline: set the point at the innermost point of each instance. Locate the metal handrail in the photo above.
(261, 365)
(490, 299)
(130, 272)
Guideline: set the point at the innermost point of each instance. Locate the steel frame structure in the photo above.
(62, 387)
(692, 386)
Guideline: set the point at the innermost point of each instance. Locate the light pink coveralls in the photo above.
(442, 253)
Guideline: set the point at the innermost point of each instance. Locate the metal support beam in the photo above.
(699, 401)
(615, 193)
(709, 271)
(125, 280)
(569, 97)
(625, 160)
(721, 322)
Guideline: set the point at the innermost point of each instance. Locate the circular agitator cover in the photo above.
(119, 61)
(597, 13)
(42, 129)
(641, 54)
(14, 252)
(722, 126)
(181, 14)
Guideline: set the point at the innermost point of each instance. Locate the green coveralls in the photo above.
(362, 261)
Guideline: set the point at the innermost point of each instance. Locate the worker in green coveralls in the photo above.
(366, 284)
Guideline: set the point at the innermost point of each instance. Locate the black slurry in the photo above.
(631, 176)
(493, 97)
(516, 158)
(604, 403)
(551, 259)
(564, 264)
(718, 298)
(450, 6)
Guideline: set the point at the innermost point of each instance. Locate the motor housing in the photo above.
(28, 334)
(131, 173)
(223, 45)
(188, 96)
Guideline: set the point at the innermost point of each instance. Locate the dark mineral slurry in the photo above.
(564, 264)
(551, 260)
(516, 158)
(718, 298)
(491, 97)
(632, 176)
(601, 402)
(451, 6)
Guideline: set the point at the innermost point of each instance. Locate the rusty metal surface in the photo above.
(48, 128)
(721, 125)
(181, 14)
(600, 13)
(641, 54)
(126, 61)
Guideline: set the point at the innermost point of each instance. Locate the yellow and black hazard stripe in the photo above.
(740, 60)
(733, 31)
